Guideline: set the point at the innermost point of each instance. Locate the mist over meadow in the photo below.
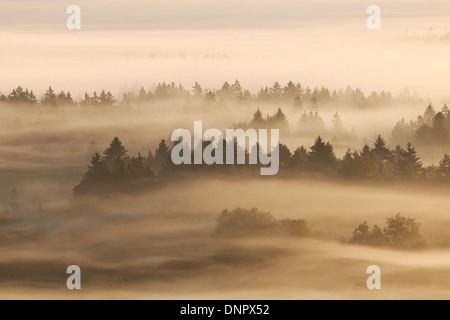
(86, 176)
(151, 234)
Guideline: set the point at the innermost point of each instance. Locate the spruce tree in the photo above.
(321, 157)
(380, 150)
(337, 127)
(412, 162)
(444, 167)
(257, 119)
(49, 97)
(300, 159)
(115, 150)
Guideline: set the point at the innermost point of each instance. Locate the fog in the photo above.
(159, 245)
(321, 44)
(45, 149)
(158, 241)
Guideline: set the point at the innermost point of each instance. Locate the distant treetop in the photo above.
(291, 93)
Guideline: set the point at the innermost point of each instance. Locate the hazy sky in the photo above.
(149, 15)
(315, 42)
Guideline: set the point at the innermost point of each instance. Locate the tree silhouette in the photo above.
(106, 98)
(310, 124)
(275, 91)
(321, 158)
(49, 97)
(19, 95)
(242, 222)
(290, 91)
(359, 165)
(298, 102)
(384, 158)
(400, 232)
(366, 166)
(365, 236)
(380, 151)
(429, 130)
(347, 169)
(114, 158)
(285, 158)
(64, 99)
(245, 222)
(408, 165)
(314, 104)
(96, 175)
(291, 94)
(138, 169)
(115, 149)
(300, 160)
(162, 155)
(144, 96)
(236, 88)
(428, 116)
(197, 90)
(162, 152)
(257, 121)
(444, 167)
(337, 127)
(279, 121)
(294, 228)
(108, 173)
(403, 132)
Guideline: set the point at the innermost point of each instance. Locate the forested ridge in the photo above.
(376, 163)
(394, 159)
(292, 92)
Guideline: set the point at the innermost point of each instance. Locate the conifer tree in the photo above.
(321, 157)
(444, 167)
(257, 120)
(300, 159)
(380, 151)
(115, 149)
(49, 97)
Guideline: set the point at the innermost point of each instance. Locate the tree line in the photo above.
(293, 94)
(399, 232)
(310, 124)
(116, 170)
(51, 98)
(432, 128)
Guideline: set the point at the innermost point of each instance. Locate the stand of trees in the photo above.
(309, 125)
(399, 232)
(242, 222)
(54, 99)
(115, 168)
(291, 94)
(432, 128)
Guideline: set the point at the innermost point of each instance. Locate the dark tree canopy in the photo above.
(399, 232)
(115, 150)
(321, 157)
(242, 222)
